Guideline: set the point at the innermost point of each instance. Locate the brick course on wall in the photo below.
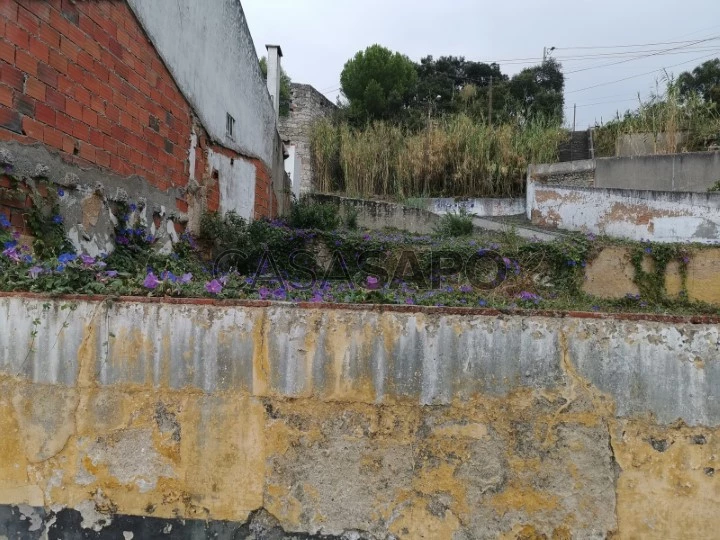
(84, 79)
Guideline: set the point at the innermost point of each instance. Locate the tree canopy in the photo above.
(383, 85)
(539, 91)
(378, 83)
(703, 80)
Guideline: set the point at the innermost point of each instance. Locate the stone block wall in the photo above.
(307, 107)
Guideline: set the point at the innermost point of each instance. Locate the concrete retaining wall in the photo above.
(377, 215)
(696, 172)
(362, 421)
(635, 215)
(478, 207)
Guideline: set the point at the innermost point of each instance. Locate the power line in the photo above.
(628, 46)
(639, 75)
(643, 56)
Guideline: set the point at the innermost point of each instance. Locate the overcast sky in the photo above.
(319, 36)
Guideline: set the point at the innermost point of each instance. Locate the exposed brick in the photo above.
(58, 61)
(35, 89)
(73, 108)
(52, 137)
(25, 105)
(9, 10)
(26, 63)
(18, 36)
(10, 119)
(6, 95)
(28, 21)
(47, 74)
(181, 205)
(64, 123)
(11, 76)
(55, 99)
(7, 52)
(45, 114)
(39, 50)
(32, 128)
(90, 117)
(50, 36)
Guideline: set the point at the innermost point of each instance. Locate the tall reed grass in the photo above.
(453, 156)
(672, 123)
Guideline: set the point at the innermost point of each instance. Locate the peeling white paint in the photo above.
(633, 215)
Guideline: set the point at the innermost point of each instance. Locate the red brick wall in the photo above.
(84, 79)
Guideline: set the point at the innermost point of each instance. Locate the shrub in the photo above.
(455, 225)
(305, 214)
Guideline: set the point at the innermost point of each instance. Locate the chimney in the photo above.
(273, 75)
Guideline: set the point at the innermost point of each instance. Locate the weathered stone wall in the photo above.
(307, 107)
(622, 213)
(219, 420)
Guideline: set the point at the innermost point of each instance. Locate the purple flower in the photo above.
(316, 298)
(373, 283)
(529, 297)
(185, 279)
(121, 240)
(111, 273)
(66, 258)
(214, 287)
(133, 207)
(35, 271)
(61, 192)
(4, 223)
(87, 260)
(410, 301)
(167, 275)
(280, 293)
(12, 254)
(57, 219)
(151, 281)
(482, 303)
(264, 293)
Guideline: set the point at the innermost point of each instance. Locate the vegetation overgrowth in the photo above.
(452, 156)
(675, 120)
(274, 260)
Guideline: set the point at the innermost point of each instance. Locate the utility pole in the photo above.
(574, 116)
(490, 104)
(544, 54)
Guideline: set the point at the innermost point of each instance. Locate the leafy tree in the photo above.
(538, 91)
(285, 87)
(378, 84)
(703, 80)
(447, 83)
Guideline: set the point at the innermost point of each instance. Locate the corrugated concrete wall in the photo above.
(206, 419)
(620, 213)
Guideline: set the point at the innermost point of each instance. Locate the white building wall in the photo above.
(237, 184)
(209, 50)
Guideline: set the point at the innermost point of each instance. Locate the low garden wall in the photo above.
(138, 417)
(620, 213)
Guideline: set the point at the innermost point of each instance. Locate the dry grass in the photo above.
(663, 118)
(455, 156)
